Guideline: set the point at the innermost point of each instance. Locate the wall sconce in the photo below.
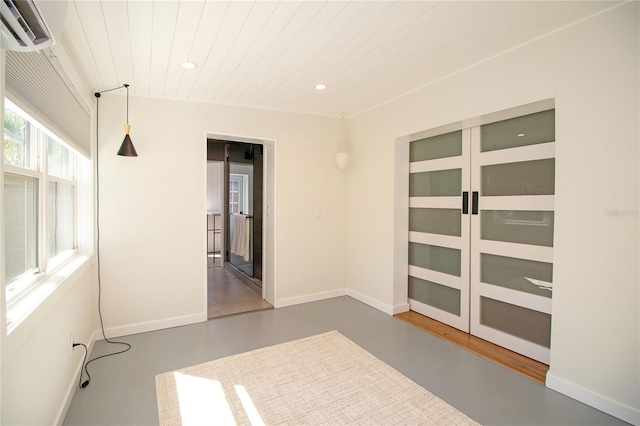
(342, 156)
(126, 149)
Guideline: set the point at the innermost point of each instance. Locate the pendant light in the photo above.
(342, 156)
(127, 149)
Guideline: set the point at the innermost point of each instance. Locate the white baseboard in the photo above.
(281, 303)
(144, 327)
(600, 402)
(73, 385)
(387, 309)
(403, 307)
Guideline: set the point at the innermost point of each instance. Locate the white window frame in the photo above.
(25, 292)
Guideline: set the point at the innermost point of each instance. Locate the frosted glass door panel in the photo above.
(440, 259)
(517, 321)
(523, 275)
(441, 183)
(441, 146)
(438, 245)
(524, 178)
(435, 221)
(522, 227)
(520, 131)
(439, 296)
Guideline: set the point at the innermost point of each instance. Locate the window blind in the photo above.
(36, 81)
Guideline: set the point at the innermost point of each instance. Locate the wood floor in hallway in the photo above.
(528, 367)
(227, 295)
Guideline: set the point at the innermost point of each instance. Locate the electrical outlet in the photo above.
(72, 342)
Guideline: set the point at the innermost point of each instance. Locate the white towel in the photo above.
(238, 221)
(240, 243)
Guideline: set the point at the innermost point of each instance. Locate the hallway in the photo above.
(227, 295)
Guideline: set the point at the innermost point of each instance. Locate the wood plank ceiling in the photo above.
(271, 54)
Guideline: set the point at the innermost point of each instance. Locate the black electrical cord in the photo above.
(128, 346)
(86, 383)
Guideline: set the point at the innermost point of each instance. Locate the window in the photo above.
(234, 196)
(40, 207)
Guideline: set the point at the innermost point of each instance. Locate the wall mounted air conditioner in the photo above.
(29, 25)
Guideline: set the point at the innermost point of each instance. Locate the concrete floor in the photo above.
(122, 389)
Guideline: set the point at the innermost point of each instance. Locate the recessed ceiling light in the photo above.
(520, 135)
(188, 65)
(321, 86)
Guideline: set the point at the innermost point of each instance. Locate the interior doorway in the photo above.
(236, 205)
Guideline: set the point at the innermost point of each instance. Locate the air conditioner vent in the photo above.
(28, 26)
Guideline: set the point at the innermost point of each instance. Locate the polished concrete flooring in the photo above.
(122, 389)
(227, 295)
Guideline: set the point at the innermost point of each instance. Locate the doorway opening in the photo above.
(236, 204)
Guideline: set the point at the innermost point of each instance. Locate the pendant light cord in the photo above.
(128, 346)
(127, 86)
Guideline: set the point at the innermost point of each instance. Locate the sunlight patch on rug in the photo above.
(320, 380)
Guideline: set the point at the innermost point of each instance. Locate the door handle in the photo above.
(465, 202)
(474, 205)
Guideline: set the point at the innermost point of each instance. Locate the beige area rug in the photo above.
(320, 380)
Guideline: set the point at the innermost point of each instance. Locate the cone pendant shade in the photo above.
(127, 149)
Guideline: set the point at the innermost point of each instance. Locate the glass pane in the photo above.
(520, 131)
(517, 321)
(524, 178)
(523, 275)
(60, 159)
(17, 149)
(60, 218)
(20, 225)
(436, 221)
(441, 259)
(522, 227)
(241, 226)
(436, 295)
(441, 146)
(442, 183)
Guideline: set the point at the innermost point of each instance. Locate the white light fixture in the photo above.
(188, 65)
(321, 86)
(342, 156)
(520, 135)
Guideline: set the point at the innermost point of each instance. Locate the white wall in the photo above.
(592, 71)
(152, 208)
(39, 368)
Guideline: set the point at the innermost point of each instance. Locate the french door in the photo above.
(481, 220)
(439, 182)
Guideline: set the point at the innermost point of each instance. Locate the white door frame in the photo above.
(268, 206)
